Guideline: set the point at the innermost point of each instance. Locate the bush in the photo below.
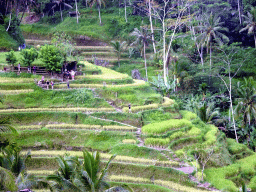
(52, 58)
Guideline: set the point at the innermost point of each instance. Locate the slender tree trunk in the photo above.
(125, 11)
(61, 13)
(145, 59)
(231, 103)
(77, 12)
(118, 55)
(99, 14)
(202, 56)
(254, 39)
(151, 26)
(164, 56)
(210, 57)
(9, 22)
(239, 12)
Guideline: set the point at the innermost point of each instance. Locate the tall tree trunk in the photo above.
(145, 59)
(210, 57)
(151, 26)
(125, 11)
(164, 56)
(9, 21)
(239, 12)
(254, 39)
(77, 12)
(99, 14)
(61, 13)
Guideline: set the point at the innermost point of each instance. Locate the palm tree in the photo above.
(250, 22)
(5, 126)
(211, 31)
(98, 5)
(142, 37)
(12, 160)
(206, 112)
(90, 177)
(64, 177)
(7, 180)
(118, 48)
(78, 176)
(246, 102)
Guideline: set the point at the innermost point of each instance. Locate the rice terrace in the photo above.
(127, 96)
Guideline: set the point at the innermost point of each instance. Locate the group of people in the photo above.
(67, 74)
(41, 82)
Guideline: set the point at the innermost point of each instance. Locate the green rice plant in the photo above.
(72, 126)
(16, 86)
(119, 158)
(125, 178)
(74, 109)
(106, 73)
(82, 126)
(182, 142)
(40, 172)
(129, 141)
(177, 186)
(252, 184)
(239, 150)
(217, 177)
(176, 135)
(137, 83)
(194, 131)
(15, 92)
(188, 115)
(141, 108)
(137, 152)
(24, 127)
(141, 187)
(164, 126)
(157, 141)
(210, 136)
(180, 153)
(121, 128)
(16, 80)
(85, 80)
(167, 102)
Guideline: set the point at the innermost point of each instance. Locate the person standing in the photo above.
(68, 84)
(19, 68)
(52, 84)
(47, 84)
(73, 74)
(130, 110)
(34, 68)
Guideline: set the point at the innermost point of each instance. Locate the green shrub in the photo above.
(164, 126)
